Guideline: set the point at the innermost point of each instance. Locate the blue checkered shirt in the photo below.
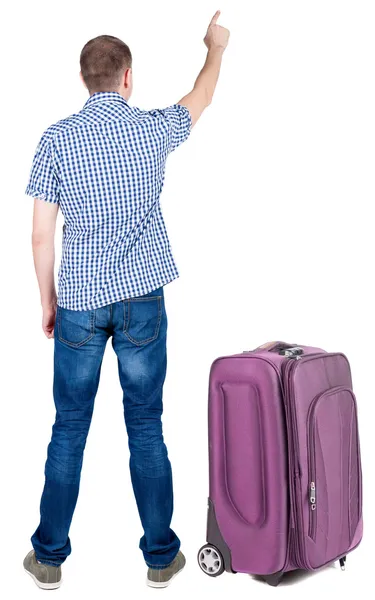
(105, 167)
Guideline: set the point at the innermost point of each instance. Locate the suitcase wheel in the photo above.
(210, 560)
(342, 563)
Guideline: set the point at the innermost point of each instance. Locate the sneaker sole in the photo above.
(162, 584)
(44, 586)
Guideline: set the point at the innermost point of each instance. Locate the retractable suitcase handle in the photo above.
(281, 348)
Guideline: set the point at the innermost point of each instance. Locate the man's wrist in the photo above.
(216, 51)
(49, 303)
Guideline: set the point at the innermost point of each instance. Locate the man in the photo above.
(104, 167)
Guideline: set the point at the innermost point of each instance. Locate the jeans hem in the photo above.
(49, 563)
(160, 567)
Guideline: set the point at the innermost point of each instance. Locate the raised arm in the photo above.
(43, 242)
(200, 97)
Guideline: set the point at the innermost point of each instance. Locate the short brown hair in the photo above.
(103, 60)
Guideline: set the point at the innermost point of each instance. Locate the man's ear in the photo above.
(128, 78)
(81, 78)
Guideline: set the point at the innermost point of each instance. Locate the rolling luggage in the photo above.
(285, 471)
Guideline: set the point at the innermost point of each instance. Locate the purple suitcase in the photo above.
(285, 471)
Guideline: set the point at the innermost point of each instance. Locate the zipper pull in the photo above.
(313, 495)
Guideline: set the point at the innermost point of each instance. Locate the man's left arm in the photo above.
(44, 187)
(43, 243)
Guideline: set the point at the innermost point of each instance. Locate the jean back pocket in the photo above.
(142, 318)
(75, 327)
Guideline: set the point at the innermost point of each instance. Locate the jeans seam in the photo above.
(126, 314)
(142, 299)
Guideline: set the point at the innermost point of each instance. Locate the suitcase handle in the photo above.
(287, 350)
(275, 346)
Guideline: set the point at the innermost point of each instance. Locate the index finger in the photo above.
(215, 18)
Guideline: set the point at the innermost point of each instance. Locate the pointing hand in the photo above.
(216, 36)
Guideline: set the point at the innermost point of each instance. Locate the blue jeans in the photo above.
(138, 328)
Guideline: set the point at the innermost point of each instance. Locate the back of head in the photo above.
(103, 61)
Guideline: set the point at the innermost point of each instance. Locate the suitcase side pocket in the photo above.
(244, 452)
(333, 470)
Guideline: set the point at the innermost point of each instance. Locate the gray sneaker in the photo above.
(160, 578)
(46, 577)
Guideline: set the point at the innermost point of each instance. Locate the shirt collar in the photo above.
(105, 97)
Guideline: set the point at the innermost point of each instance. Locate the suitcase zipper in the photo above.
(312, 469)
(296, 496)
(287, 367)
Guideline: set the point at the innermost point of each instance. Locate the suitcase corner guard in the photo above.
(215, 538)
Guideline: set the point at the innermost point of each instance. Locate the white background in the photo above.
(269, 208)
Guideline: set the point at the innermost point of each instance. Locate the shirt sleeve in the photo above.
(43, 181)
(178, 120)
